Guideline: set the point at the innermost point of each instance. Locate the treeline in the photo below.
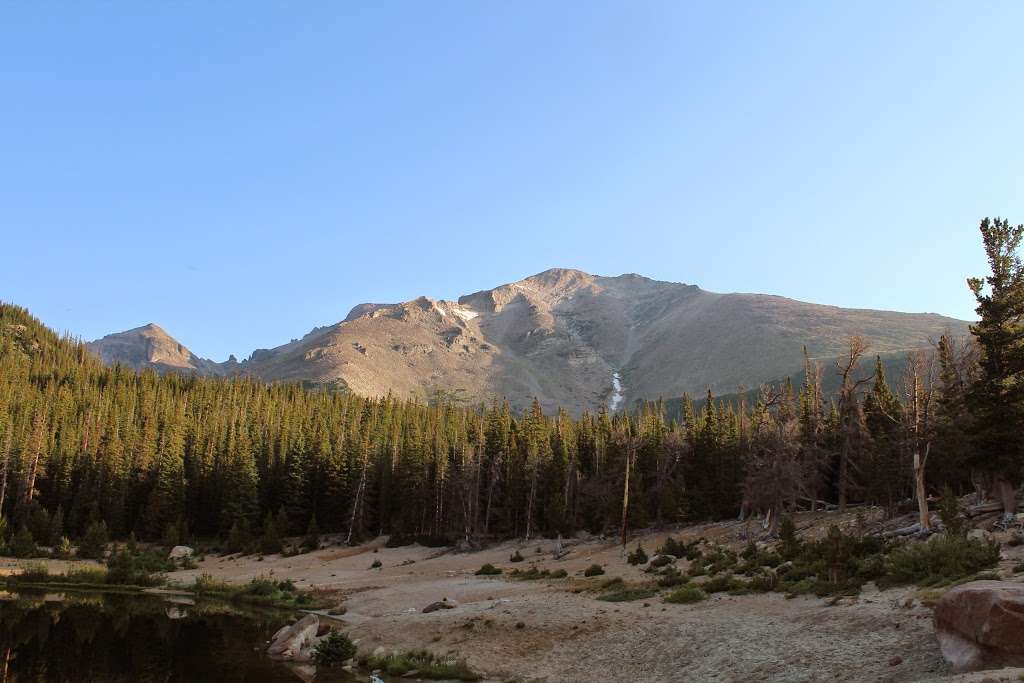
(170, 457)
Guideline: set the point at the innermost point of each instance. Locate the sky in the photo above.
(240, 172)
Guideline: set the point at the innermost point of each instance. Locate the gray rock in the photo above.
(179, 552)
(295, 642)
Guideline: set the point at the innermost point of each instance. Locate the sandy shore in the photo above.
(556, 630)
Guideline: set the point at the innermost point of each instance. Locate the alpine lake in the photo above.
(111, 636)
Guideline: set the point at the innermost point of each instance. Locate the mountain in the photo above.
(150, 346)
(572, 340)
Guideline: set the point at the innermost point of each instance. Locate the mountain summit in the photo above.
(571, 339)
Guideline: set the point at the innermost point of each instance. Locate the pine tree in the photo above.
(996, 399)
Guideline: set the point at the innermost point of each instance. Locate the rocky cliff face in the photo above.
(563, 336)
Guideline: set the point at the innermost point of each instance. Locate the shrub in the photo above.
(127, 569)
(764, 581)
(943, 559)
(673, 547)
(377, 564)
(629, 595)
(425, 664)
(721, 584)
(789, 543)
(949, 513)
(270, 540)
(686, 595)
(63, 548)
(239, 537)
(488, 570)
(312, 539)
(638, 556)
(515, 557)
(23, 544)
(336, 649)
(672, 577)
(94, 544)
(720, 559)
(593, 570)
(533, 574)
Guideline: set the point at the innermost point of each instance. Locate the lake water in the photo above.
(111, 637)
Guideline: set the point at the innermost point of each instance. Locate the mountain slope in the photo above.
(560, 335)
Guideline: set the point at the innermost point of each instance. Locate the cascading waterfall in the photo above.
(616, 400)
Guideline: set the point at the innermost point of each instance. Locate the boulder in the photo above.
(441, 604)
(179, 552)
(979, 535)
(980, 625)
(294, 642)
(662, 560)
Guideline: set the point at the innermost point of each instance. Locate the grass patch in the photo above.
(261, 590)
(686, 595)
(425, 664)
(488, 570)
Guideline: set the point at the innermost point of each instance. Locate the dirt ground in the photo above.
(555, 630)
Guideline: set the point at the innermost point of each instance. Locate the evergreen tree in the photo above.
(996, 399)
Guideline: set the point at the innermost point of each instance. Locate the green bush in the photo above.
(638, 556)
(944, 559)
(425, 664)
(949, 512)
(673, 547)
(488, 570)
(270, 540)
(311, 541)
(515, 557)
(134, 570)
(334, 650)
(672, 578)
(686, 595)
(94, 544)
(629, 595)
(789, 543)
(377, 564)
(593, 570)
(63, 548)
(721, 584)
(23, 544)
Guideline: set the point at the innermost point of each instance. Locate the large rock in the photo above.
(295, 642)
(662, 560)
(442, 604)
(180, 552)
(980, 625)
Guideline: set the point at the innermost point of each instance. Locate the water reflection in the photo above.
(110, 637)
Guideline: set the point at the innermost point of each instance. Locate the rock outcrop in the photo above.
(980, 625)
(296, 643)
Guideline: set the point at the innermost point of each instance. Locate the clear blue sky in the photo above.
(239, 172)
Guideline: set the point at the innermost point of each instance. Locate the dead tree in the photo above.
(853, 432)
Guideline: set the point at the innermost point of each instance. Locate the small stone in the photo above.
(896, 661)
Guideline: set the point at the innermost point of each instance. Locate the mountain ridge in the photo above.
(559, 336)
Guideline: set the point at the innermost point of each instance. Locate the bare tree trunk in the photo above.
(922, 498)
(529, 506)
(359, 495)
(625, 493)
